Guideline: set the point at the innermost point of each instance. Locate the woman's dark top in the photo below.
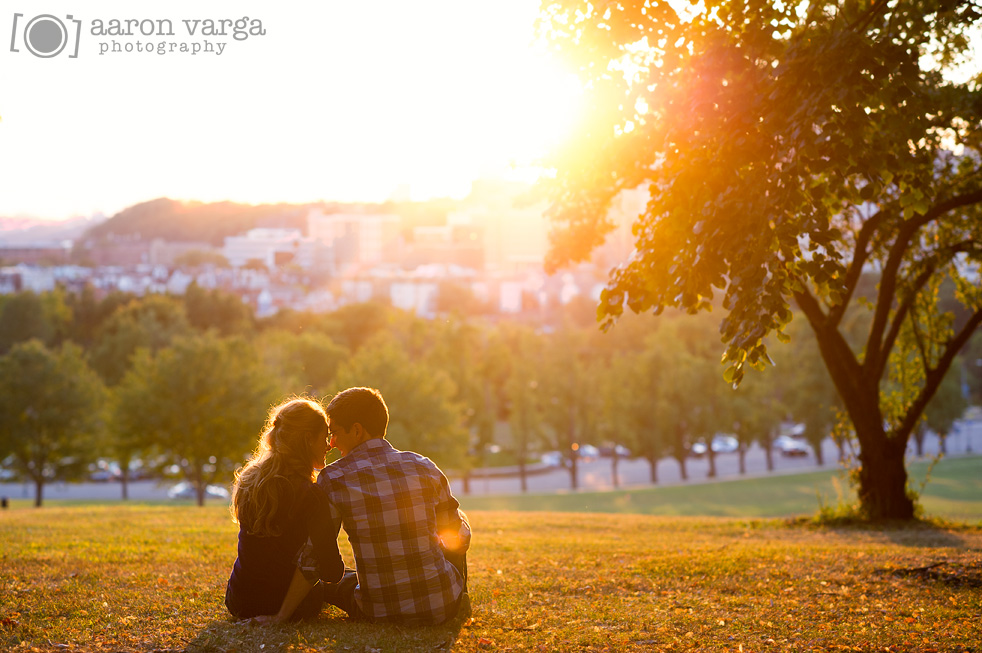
(265, 566)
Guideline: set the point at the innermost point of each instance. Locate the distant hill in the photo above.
(176, 221)
(20, 230)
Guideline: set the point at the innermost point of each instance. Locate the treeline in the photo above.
(184, 382)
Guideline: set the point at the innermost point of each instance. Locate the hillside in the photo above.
(178, 221)
(173, 220)
(16, 231)
(152, 578)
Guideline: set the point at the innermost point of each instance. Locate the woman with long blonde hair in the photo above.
(278, 507)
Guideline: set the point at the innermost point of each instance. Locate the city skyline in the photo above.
(304, 103)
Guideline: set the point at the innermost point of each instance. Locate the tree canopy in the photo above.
(51, 407)
(199, 403)
(786, 150)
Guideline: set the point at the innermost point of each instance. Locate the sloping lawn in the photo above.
(953, 491)
(151, 578)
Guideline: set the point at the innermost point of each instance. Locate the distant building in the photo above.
(454, 244)
(271, 247)
(514, 231)
(22, 278)
(164, 252)
(352, 242)
(56, 253)
(116, 250)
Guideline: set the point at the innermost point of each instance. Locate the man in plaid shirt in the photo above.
(407, 532)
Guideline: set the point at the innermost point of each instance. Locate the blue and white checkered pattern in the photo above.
(400, 517)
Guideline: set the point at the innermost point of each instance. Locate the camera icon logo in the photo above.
(45, 36)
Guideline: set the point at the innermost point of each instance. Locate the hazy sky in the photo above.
(339, 100)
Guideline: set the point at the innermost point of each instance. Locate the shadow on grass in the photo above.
(919, 533)
(331, 631)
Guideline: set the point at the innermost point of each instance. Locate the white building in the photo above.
(20, 278)
(263, 245)
(356, 242)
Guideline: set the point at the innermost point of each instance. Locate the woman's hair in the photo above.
(265, 489)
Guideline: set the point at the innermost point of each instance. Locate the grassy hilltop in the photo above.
(151, 578)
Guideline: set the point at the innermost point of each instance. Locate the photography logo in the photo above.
(45, 35)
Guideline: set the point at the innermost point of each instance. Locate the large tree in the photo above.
(199, 404)
(50, 412)
(786, 149)
(423, 414)
(152, 322)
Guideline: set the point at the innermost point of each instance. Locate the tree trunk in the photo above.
(613, 469)
(467, 481)
(742, 454)
(883, 477)
(199, 487)
(38, 491)
(574, 454)
(769, 455)
(819, 458)
(653, 465)
(124, 480)
(919, 441)
(682, 472)
(943, 441)
(523, 474)
(712, 460)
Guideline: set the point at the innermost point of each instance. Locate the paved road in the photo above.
(594, 475)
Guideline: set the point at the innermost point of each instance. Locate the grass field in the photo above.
(954, 491)
(151, 578)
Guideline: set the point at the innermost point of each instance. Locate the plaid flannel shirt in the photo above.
(400, 517)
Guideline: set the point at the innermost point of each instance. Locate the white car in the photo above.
(185, 490)
(552, 459)
(587, 452)
(790, 447)
(722, 443)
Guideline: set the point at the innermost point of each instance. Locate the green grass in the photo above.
(151, 578)
(954, 491)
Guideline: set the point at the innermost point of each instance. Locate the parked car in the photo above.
(587, 452)
(790, 447)
(722, 443)
(185, 490)
(552, 459)
(620, 450)
(103, 471)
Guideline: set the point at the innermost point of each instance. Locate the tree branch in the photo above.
(845, 360)
(919, 282)
(935, 376)
(861, 23)
(899, 317)
(919, 339)
(855, 269)
(888, 282)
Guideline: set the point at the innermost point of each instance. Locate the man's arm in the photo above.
(452, 525)
(324, 525)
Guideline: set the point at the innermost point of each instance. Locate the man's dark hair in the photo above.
(362, 405)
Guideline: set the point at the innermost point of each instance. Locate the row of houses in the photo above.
(489, 252)
(427, 290)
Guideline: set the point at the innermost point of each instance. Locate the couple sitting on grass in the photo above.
(408, 535)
